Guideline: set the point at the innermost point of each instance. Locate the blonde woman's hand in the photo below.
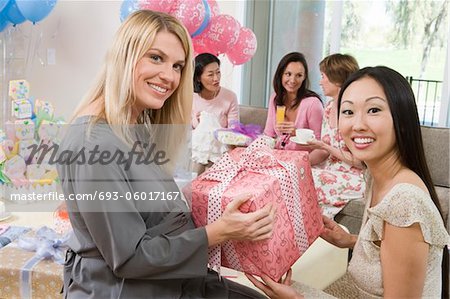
(276, 290)
(235, 225)
(333, 233)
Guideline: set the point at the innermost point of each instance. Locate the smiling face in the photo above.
(365, 121)
(293, 77)
(210, 78)
(329, 89)
(157, 74)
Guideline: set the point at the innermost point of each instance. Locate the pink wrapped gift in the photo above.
(281, 177)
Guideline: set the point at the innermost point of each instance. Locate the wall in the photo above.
(80, 33)
(303, 33)
(282, 27)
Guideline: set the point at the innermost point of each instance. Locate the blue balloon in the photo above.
(3, 22)
(128, 6)
(3, 4)
(35, 10)
(205, 22)
(13, 14)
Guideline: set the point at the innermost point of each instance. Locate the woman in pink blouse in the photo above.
(209, 96)
(303, 107)
(215, 105)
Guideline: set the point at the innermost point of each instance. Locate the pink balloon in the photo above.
(213, 8)
(199, 45)
(191, 13)
(221, 34)
(245, 47)
(158, 5)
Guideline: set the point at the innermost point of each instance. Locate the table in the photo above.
(31, 219)
(45, 279)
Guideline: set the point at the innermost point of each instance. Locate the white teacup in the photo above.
(304, 135)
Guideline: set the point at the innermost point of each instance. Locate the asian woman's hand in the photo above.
(276, 290)
(333, 233)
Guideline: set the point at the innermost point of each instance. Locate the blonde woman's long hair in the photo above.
(115, 88)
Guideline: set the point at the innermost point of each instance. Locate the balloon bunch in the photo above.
(210, 31)
(18, 11)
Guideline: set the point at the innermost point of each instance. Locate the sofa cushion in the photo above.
(437, 149)
(253, 115)
(351, 216)
(443, 194)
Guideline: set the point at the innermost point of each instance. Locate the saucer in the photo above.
(5, 215)
(350, 195)
(296, 140)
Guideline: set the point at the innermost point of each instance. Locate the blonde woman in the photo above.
(134, 237)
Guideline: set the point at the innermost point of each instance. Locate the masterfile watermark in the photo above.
(37, 196)
(140, 153)
(100, 196)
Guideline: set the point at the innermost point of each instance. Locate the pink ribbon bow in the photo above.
(258, 157)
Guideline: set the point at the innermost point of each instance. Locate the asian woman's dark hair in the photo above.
(303, 91)
(403, 108)
(201, 61)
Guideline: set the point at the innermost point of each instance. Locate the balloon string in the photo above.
(30, 52)
(205, 20)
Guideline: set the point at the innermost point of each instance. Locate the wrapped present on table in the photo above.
(9, 233)
(19, 89)
(238, 134)
(21, 109)
(280, 177)
(33, 268)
